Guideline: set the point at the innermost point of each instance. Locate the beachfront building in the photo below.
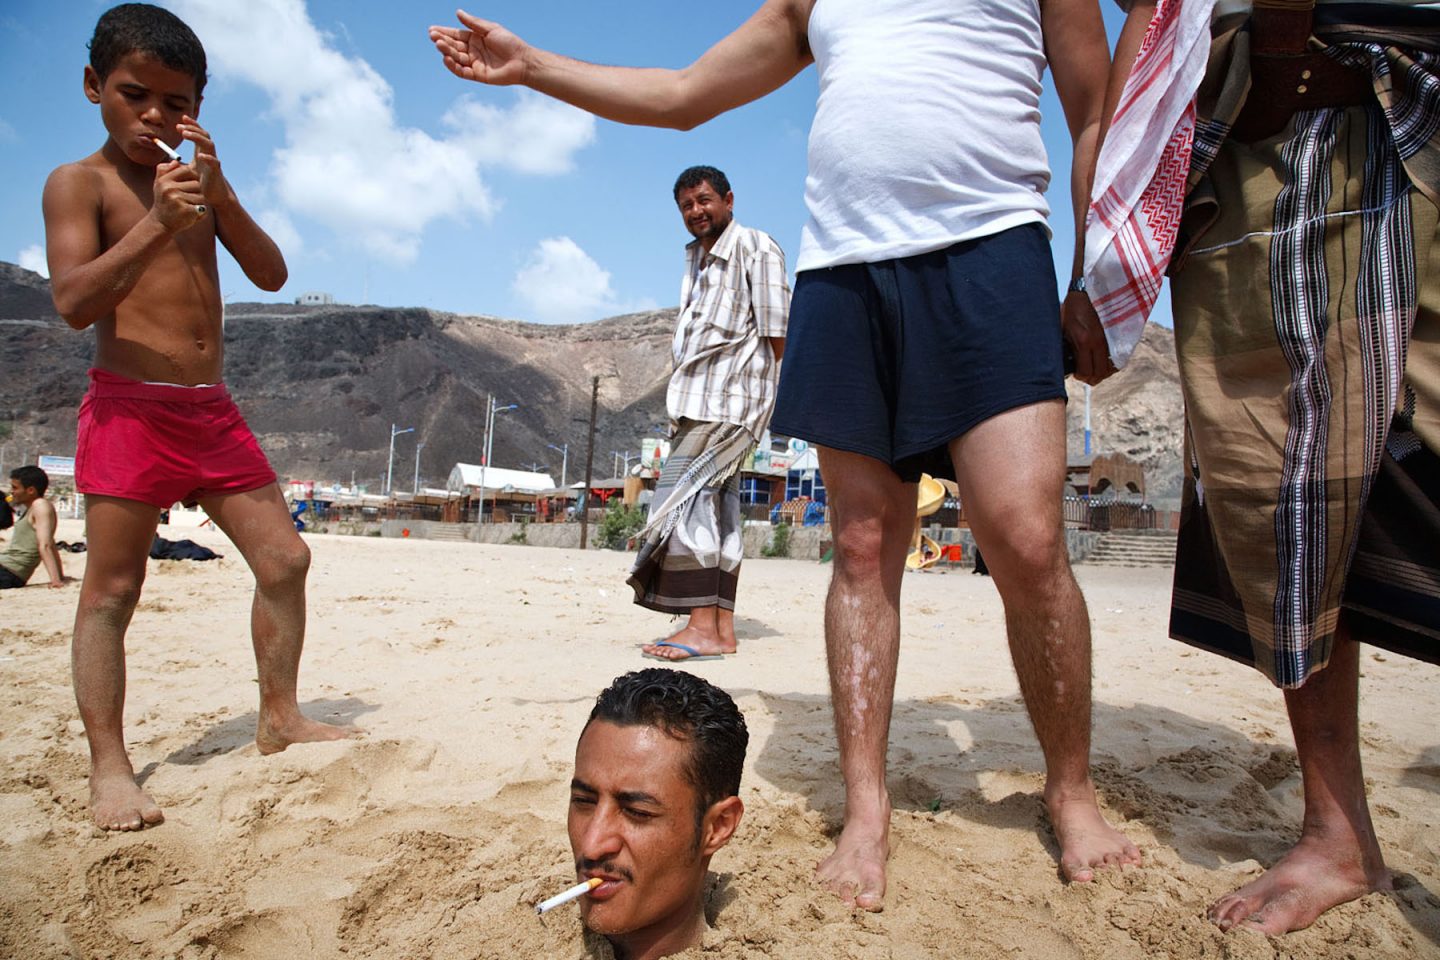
(497, 494)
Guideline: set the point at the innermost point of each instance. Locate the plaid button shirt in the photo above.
(731, 300)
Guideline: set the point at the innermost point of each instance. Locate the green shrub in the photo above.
(619, 524)
(779, 545)
(521, 535)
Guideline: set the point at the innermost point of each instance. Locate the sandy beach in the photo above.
(472, 667)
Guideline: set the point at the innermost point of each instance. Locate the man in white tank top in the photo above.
(925, 186)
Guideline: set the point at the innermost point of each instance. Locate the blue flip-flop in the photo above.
(694, 654)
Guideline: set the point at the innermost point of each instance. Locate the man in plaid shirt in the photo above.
(729, 336)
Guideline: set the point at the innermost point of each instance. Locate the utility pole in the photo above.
(589, 463)
(564, 458)
(390, 463)
(418, 447)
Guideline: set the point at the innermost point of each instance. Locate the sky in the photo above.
(387, 180)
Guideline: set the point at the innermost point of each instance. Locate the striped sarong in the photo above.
(1307, 323)
(691, 548)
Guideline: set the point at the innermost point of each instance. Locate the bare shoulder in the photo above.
(74, 180)
(79, 188)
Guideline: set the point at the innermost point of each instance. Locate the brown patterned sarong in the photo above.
(1307, 322)
(691, 547)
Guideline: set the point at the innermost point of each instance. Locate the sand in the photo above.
(472, 668)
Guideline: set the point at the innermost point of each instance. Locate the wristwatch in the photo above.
(1076, 286)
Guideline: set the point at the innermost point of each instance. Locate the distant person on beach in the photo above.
(654, 795)
(131, 237)
(32, 542)
(729, 337)
(1307, 326)
(926, 333)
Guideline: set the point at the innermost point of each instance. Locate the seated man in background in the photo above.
(653, 797)
(33, 540)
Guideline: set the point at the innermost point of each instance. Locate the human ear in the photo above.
(720, 824)
(93, 84)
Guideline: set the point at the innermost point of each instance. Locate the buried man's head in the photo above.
(657, 773)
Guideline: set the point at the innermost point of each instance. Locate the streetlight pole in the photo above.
(489, 442)
(589, 463)
(418, 447)
(564, 449)
(390, 463)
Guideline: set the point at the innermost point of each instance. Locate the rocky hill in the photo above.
(321, 387)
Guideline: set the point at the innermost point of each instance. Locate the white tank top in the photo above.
(927, 128)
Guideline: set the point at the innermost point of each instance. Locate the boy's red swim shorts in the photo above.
(162, 443)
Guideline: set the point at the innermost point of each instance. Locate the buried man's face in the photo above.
(632, 823)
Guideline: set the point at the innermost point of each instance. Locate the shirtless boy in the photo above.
(130, 236)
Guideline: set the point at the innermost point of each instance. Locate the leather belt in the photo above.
(1286, 75)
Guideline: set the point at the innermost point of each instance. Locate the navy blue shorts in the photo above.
(895, 359)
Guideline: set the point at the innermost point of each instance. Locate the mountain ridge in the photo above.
(321, 386)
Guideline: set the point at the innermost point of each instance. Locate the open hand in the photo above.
(1081, 326)
(481, 51)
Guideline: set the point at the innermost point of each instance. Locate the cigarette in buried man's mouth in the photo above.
(575, 892)
(170, 151)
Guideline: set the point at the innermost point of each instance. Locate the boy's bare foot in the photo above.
(699, 640)
(117, 803)
(1086, 840)
(855, 872)
(1313, 877)
(272, 736)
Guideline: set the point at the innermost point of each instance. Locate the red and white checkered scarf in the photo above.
(1139, 188)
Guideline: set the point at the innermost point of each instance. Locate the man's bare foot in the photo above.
(117, 803)
(855, 872)
(1313, 877)
(699, 640)
(272, 736)
(1086, 840)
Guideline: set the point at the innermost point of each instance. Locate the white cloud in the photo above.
(347, 162)
(538, 135)
(7, 133)
(33, 258)
(561, 283)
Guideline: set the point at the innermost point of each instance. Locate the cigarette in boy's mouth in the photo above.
(170, 151)
(579, 890)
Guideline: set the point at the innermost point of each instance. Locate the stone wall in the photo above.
(805, 542)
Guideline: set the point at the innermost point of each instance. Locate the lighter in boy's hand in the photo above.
(174, 154)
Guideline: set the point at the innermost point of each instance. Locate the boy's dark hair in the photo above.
(687, 708)
(151, 30)
(32, 476)
(694, 176)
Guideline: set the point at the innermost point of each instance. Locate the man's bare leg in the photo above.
(1011, 472)
(709, 630)
(259, 524)
(118, 534)
(872, 512)
(1338, 858)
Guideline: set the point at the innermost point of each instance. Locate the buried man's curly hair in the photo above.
(686, 708)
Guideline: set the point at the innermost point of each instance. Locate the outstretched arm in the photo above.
(760, 56)
(251, 246)
(1079, 58)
